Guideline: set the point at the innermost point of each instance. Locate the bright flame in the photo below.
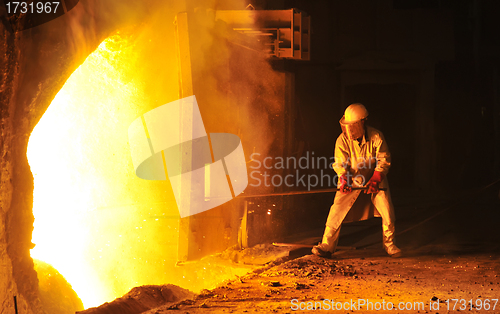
(84, 179)
(104, 229)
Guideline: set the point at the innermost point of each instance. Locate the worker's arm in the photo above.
(342, 165)
(383, 155)
(342, 162)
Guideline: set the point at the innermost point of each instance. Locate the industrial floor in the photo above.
(451, 264)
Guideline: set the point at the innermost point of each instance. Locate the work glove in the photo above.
(343, 187)
(374, 182)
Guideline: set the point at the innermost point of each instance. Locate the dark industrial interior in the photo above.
(78, 228)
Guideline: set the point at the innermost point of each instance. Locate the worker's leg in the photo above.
(328, 244)
(383, 203)
(341, 206)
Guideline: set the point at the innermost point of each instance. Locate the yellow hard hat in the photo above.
(355, 112)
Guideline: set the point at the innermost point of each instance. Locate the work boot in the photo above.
(328, 244)
(318, 250)
(388, 240)
(393, 251)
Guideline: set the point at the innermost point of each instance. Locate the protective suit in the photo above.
(360, 162)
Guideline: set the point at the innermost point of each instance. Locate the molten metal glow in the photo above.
(103, 228)
(85, 183)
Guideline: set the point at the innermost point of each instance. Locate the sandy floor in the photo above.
(424, 284)
(451, 264)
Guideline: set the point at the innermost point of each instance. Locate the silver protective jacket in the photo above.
(359, 161)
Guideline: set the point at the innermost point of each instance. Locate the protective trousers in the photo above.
(341, 206)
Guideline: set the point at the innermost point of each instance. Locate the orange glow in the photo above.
(103, 228)
(85, 183)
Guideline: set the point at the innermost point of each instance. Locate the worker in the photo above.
(362, 159)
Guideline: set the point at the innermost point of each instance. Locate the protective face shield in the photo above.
(353, 121)
(353, 130)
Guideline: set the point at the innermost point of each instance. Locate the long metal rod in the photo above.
(299, 245)
(304, 192)
(15, 304)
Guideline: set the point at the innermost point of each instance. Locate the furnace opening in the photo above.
(88, 219)
(102, 227)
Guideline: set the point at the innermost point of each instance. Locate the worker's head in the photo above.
(353, 121)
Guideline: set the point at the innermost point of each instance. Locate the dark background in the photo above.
(428, 73)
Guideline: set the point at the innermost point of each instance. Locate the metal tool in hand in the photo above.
(306, 192)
